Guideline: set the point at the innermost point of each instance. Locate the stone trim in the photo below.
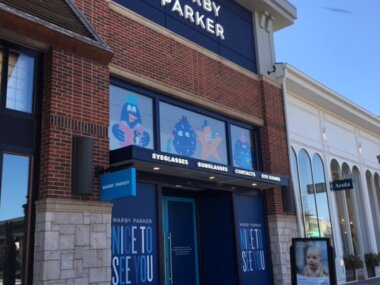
(65, 205)
(282, 228)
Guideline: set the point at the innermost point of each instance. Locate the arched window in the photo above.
(377, 191)
(307, 195)
(360, 212)
(350, 202)
(295, 177)
(312, 187)
(321, 197)
(374, 194)
(341, 207)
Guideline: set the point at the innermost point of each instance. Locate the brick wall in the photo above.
(75, 103)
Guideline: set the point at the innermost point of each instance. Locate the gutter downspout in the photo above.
(300, 226)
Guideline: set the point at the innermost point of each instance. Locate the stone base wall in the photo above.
(72, 242)
(282, 228)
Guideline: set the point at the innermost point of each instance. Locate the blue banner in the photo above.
(118, 184)
(134, 237)
(251, 235)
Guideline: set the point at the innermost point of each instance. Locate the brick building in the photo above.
(173, 100)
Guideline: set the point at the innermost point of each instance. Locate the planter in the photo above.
(350, 275)
(359, 272)
(377, 271)
(371, 271)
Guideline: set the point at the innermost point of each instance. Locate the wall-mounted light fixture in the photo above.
(360, 148)
(378, 158)
(324, 135)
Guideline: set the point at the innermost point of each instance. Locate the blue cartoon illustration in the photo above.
(210, 142)
(183, 138)
(130, 130)
(242, 152)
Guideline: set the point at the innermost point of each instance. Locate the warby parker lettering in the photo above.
(252, 249)
(196, 17)
(132, 254)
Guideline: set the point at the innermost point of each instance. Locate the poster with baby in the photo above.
(312, 262)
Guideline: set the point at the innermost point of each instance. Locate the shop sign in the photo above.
(118, 184)
(212, 166)
(345, 184)
(199, 19)
(212, 24)
(244, 172)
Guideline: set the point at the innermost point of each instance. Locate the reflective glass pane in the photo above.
(131, 119)
(14, 189)
(308, 197)
(20, 86)
(295, 179)
(350, 199)
(242, 148)
(1, 64)
(321, 197)
(191, 134)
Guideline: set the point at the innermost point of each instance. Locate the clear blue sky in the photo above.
(337, 43)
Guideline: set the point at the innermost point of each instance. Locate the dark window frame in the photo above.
(31, 150)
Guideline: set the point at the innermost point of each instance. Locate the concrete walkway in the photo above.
(373, 281)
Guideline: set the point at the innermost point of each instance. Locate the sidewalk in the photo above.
(373, 281)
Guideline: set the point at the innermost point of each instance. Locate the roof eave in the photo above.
(27, 25)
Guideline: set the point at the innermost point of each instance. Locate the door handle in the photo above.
(170, 258)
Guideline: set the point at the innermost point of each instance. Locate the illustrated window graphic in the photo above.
(131, 120)
(242, 148)
(190, 134)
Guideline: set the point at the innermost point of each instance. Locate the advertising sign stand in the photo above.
(312, 262)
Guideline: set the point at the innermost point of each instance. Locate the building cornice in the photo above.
(282, 12)
(324, 98)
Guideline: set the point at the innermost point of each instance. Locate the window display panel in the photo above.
(242, 148)
(131, 119)
(1, 63)
(321, 197)
(20, 87)
(191, 134)
(308, 196)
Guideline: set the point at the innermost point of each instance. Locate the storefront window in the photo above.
(376, 207)
(295, 178)
(341, 206)
(190, 134)
(131, 119)
(350, 199)
(321, 197)
(307, 194)
(242, 148)
(1, 63)
(373, 192)
(20, 87)
(14, 188)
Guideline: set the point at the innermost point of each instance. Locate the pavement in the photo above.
(372, 281)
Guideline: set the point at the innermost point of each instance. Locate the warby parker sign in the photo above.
(198, 18)
(222, 26)
(118, 184)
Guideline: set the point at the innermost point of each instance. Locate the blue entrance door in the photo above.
(181, 247)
